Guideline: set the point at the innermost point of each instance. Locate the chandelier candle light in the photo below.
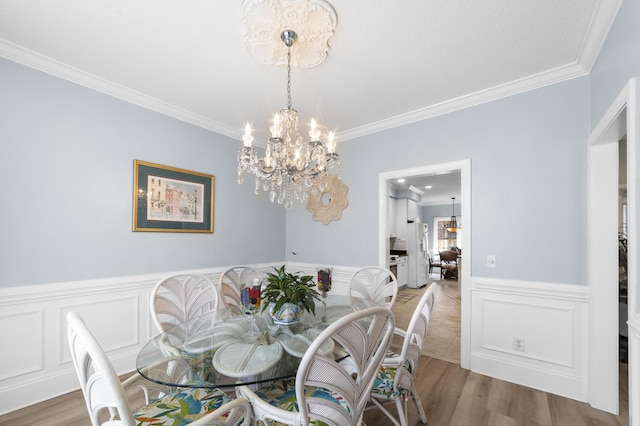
(290, 166)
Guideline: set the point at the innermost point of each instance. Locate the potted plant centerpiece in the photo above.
(286, 295)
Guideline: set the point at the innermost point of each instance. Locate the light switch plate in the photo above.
(491, 261)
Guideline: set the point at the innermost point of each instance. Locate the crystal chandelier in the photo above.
(290, 166)
(453, 226)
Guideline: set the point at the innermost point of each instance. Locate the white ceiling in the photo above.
(437, 188)
(390, 62)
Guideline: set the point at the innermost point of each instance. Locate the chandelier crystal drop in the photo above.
(290, 166)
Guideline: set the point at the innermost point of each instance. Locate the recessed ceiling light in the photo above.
(428, 187)
(401, 180)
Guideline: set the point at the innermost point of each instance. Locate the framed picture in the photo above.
(168, 199)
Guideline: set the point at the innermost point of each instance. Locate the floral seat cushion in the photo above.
(383, 385)
(180, 408)
(391, 354)
(282, 394)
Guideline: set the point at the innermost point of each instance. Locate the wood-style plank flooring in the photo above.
(450, 396)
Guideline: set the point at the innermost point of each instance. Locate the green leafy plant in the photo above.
(284, 287)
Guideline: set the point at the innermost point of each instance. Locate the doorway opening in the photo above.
(464, 169)
(608, 156)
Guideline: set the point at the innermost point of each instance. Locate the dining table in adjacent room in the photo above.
(228, 347)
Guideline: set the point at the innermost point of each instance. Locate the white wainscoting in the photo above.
(552, 319)
(35, 362)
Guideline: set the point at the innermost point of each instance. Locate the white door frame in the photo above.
(602, 257)
(464, 166)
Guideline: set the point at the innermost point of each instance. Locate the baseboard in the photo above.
(532, 376)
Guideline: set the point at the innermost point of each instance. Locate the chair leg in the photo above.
(401, 407)
(418, 403)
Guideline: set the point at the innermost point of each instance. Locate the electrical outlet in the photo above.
(491, 261)
(518, 344)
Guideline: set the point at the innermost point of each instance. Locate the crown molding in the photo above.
(536, 81)
(56, 68)
(61, 70)
(602, 20)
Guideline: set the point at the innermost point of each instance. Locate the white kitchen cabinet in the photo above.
(406, 209)
(392, 224)
(401, 218)
(412, 210)
(403, 271)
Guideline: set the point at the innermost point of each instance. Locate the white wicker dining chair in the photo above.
(231, 282)
(324, 390)
(375, 284)
(178, 298)
(395, 380)
(107, 399)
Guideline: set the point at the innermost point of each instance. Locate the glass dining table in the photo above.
(228, 347)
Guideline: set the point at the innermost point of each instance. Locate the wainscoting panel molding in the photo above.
(33, 321)
(551, 318)
(532, 334)
(116, 310)
(30, 356)
(116, 333)
(521, 337)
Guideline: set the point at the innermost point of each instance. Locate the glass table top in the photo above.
(227, 347)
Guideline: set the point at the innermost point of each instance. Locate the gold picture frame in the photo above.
(169, 199)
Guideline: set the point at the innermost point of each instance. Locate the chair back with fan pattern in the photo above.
(375, 284)
(415, 337)
(178, 298)
(364, 336)
(231, 282)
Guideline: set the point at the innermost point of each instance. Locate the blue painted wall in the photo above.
(529, 149)
(66, 166)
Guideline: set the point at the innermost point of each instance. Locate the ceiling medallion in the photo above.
(312, 20)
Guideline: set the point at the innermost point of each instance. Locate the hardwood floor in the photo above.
(450, 395)
(443, 336)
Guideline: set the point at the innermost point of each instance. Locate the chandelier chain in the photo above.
(289, 77)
